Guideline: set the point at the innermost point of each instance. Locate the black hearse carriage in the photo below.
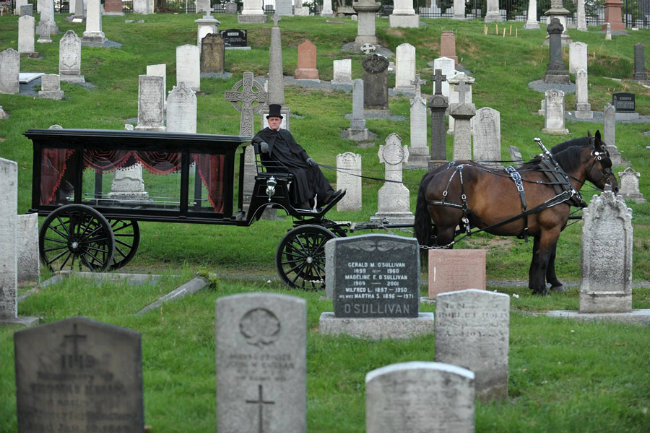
(89, 186)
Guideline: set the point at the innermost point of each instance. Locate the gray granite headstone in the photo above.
(629, 185)
(151, 103)
(373, 276)
(348, 177)
(79, 375)
(554, 112)
(27, 248)
(420, 397)
(261, 343)
(486, 126)
(213, 54)
(70, 58)
(609, 126)
(515, 155)
(462, 113)
(472, 331)
(51, 87)
(639, 62)
(27, 9)
(419, 151)
(9, 71)
(8, 219)
(438, 104)
(181, 109)
(357, 130)
(375, 82)
(606, 259)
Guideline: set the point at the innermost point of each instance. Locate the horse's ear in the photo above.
(589, 134)
(598, 143)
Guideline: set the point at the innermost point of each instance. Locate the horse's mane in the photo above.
(564, 153)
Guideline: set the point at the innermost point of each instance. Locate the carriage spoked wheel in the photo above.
(74, 237)
(300, 258)
(127, 240)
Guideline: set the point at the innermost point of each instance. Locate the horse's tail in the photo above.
(422, 225)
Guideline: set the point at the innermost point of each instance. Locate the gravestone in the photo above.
(403, 15)
(639, 62)
(181, 109)
(358, 131)
(625, 104)
(560, 13)
(472, 331)
(448, 70)
(581, 16)
(448, 45)
(327, 9)
(577, 56)
(94, 33)
(159, 70)
(3, 113)
(79, 375)
(26, 35)
(252, 12)
(556, 72)
(284, 7)
(419, 151)
(261, 368)
(128, 184)
(629, 185)
(458, 10)
(231, 8)
(420, 397)
(462, 113)
(613, 15)
(531, 16)
(342, 71)
(276, 76)
(151, 103)
(46, 24)
(234, 38)
(608, 32)
(8, 260)
(456, 269)
(188, 66)
(486, 126)
(515, 155)
(438, 105)
(113, 8)
(78, 10)
(348, 178)
(606, 259)
(203, 6)
(306, 62)
(9, 71)
(29, 8)
(375, 83)
(609, 125)
(405, 68)
(583, 107)
(366, 11)
(493, 15)
(70, 58)
(393, 198)
(206, 25)
(144, 7)
(50, 87)
(213, 54)
(29, 268)
(454, 95)
(554, 115)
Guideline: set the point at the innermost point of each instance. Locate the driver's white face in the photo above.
(274, 122)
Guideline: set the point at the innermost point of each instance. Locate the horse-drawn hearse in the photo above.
(89, 185)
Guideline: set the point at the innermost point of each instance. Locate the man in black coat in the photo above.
(279, 151)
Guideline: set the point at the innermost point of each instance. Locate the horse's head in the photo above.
(600, 171)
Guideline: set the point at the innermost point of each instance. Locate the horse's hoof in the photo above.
(541, 293)
(558, 289)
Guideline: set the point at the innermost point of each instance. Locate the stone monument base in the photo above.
(409, 21)
(394, 217)
(494, 17)
(435, 163)
(641, 317)
(627, 116)
(20, 321)
(72, 78)
(118, 14)
(94, 37)
(56, 95)
(605, 302)
(358, 135)
(531, 25)
(555, 131)
(242, 19)
(377, 328)
(584, 114)
(418, 161)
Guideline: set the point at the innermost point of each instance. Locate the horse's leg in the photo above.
(556, 285)
(536, 281)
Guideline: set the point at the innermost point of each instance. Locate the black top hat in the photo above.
(275, 111)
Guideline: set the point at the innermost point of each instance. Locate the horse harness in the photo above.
(564, 190)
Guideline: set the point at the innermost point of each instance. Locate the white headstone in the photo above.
(252, 7)
(609, 125)
(188, 66)
(26, 25)
(581, 16)
(629, 185)
(51, 87)
(203, 6)
(554, 115)
(459, 10)
(27, 253)
(9, 71)
(70, 58)
(393, 198)
(128, 184)
(405, 67)
(577, 56)
(455, 79)
(342, 71)
(94, 33)
(46, 24)
(284, 7)
(583, 107)
(472, 331)
(159, 70)
(493, 15)
(151, 103)
(261, 341)
(486, 126)
(606, 259)
(181, 109)
(531, 16)
(420, 397)
(419, 151)
(448, 68)
(327, 9)
(143, 6)
(8, 220)
(348, 177)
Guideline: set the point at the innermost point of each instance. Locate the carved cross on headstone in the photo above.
(461, 88)
(418, 85)
(260, 406)
(244, 100)
(438, 78)
(276, 18)
(368, 48)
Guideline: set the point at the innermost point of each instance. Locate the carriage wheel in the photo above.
(300, 258)
(127, 240)
(76, 236)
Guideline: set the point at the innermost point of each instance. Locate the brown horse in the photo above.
(534, 200)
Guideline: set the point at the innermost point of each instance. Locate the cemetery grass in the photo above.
(564, 376)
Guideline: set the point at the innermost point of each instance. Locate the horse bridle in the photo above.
(605, 164)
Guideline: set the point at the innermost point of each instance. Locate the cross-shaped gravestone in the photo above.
(260, 402)
(276, 18)
(461, 88)
(438, 78)
(418, 85)
(368, 48)
(243, 100)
